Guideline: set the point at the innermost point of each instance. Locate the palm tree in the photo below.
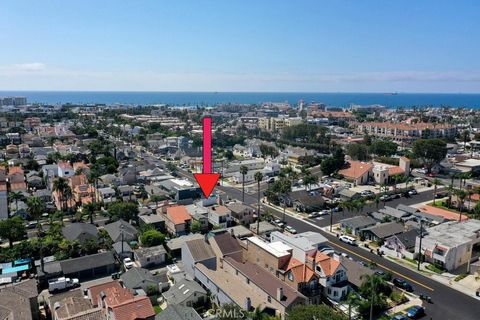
(35, 208)
(93, 178)
(15, 196)
(90, 208)
(285, 188)
(436, 182)
(61, 186)
(461, 195)
(397, 179)
(308, 180)
(243, 172)
(258, 177)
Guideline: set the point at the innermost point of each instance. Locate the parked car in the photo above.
(416, 312)
(412, 192)
(271, 180)
(385, 197)
(314, 214)
(402, 284)
(399, 317)
(366, 193)
(290, 229)
(441, 195)
(349, 240)
(278, 223)
(128, 263)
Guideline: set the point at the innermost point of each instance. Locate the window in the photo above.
(269, 299)
(236, 272)
(335, 293)
(329, 291)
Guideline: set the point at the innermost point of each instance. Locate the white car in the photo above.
(128, 263)
(412, 192)
(324, 212)
(290, 229)
(349, 240)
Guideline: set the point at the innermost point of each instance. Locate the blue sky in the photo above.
(350, 46)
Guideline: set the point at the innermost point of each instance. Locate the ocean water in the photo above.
(211, 98)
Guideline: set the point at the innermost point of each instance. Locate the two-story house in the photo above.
(178, 220)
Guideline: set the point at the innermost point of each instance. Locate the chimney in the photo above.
(280, 294)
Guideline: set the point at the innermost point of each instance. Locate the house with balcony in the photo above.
(219, 216)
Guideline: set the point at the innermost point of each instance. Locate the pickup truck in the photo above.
(56, 285)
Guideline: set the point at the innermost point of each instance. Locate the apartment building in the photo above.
(406, 132)
(278, 124)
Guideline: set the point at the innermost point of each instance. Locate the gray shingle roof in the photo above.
(137, 278)
(80, 231)
(358, 222)
(182, 290)
(200, 250)
(385, 230)
(177, 312)
(151, 251)
(87, 262)
(397, 214)
(115, 231)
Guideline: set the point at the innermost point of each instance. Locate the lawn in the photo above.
(157, 309)
(435, 269)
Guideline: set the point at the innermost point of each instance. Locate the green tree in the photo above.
(461, 195)
(196, 227)
(308, 180)
(375, 290)
(429, 151)
(123, 210)
(35, 208)
(357, 151)
(12, 229)
(314, 312)
(61, 186)
(152, 237)
(15, 196)
(436, 182)
(383, 148)
(328, 166)
(243, 172)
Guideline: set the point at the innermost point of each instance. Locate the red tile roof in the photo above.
(447, 214)
(13, 170)
(395, 170)
(95, 290)
(328, 264)
(178, 214)
(356, 169)
(301, 272)
(138, 308)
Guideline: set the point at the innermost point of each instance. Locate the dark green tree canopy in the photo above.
(430, 151)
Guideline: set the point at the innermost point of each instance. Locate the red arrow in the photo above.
(207, 180)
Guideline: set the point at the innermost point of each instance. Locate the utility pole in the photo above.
(331, 219)
(420, 245)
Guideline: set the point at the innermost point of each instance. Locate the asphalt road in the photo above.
(447, 303)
